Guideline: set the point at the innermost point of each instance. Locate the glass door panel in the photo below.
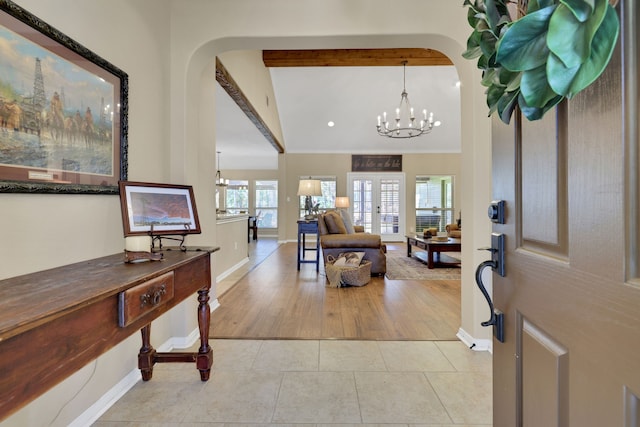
(378, 203)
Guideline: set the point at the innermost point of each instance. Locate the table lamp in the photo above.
(342, 202)
(309, 188)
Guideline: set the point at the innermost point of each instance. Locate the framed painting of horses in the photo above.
(63, 111)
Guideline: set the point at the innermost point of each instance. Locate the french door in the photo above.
(378, 203)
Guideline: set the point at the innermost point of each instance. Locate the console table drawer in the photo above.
(144, 298)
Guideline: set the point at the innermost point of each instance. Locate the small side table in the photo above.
(308, 227)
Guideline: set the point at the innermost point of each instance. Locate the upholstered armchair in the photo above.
(453, 231)
(338, 235)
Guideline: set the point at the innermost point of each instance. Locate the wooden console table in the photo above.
(54, 322)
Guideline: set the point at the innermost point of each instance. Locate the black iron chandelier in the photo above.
(405, 124)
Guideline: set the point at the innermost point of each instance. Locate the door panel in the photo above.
(378, 203)
(543, 198)
(545, 377)
(572, 322)
(361, 192)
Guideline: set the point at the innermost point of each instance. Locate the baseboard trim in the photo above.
(474, 343)
(102, 405)
(230, 270)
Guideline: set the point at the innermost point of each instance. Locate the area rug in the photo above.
(401, 267)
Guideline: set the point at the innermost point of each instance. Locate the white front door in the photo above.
(378, 203)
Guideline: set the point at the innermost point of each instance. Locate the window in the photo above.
(434, 202)
(267, 204)
(328, 198)
(237, 196)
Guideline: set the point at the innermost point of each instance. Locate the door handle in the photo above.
(496, 263)
(378, 209)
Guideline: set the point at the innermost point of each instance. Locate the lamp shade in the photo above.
(309, 187)
(342, 202)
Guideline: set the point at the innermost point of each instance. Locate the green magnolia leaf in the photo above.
(481, 19)
(524, 44)
(483, 62)
(534, 87)
(555, 51)
(472, 19)
(490, 77)
(473, 46)
(571, 39)
(536, 113)
(482, 26)
(539, 4)
(559, 76)
(493, 15)
(507, 77)
(493, 96)
(472, 53)
(581, 9)
(604, 43)
(501, 5)
(504, 20)
(506, 104)
(488, 43)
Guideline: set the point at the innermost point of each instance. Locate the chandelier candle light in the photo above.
(405, 121)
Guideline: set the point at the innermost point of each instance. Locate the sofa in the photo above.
(338, 235)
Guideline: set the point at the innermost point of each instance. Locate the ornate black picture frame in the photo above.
(66, 130)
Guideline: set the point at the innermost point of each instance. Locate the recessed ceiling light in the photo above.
(437, 123)
(458, 84)
(331, 124)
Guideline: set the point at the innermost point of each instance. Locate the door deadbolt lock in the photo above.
(496, 211)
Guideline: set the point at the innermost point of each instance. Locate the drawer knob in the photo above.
(153, 297)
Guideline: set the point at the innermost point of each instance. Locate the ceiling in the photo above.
(352, 97)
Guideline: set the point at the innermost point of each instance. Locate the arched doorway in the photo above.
(475, 135)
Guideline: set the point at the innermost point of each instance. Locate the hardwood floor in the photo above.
(275, 301)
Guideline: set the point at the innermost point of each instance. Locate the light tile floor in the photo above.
(317, 383)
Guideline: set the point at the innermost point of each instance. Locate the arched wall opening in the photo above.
(193, 142)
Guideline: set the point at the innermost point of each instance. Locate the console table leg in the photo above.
(204, 360)
(147, 354)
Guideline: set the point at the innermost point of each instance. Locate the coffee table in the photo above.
(434, 248)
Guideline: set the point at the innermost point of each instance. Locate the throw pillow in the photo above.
(346, 218)
(349, 259)
(334, 223)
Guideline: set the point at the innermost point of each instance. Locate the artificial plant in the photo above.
(555, 50)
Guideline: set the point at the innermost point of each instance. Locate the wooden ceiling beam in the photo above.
(353, 57)
(231, 87)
